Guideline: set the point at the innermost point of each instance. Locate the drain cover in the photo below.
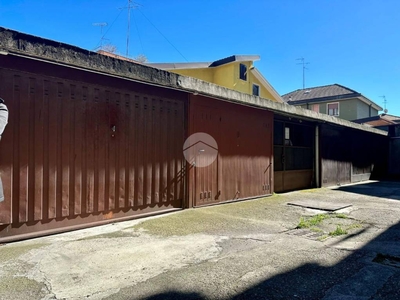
(321, 205)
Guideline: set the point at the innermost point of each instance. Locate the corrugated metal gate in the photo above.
(75, 152)
(349, 155)
(243, 168)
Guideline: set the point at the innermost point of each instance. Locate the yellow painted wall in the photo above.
(206, 74)
(227, 75)
(264, 93)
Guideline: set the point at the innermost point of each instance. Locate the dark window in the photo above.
(243, 72)
(256, 90)
(278, 133)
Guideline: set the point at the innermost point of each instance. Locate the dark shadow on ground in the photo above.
(175, 295)
(312, 281)
(382, 189)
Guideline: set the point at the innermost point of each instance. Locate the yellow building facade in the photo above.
(235, 72)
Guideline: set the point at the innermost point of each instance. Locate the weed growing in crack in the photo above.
(313, 221)
(317, 219)
(340, 216)
(338, 231)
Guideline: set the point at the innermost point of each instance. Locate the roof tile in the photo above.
(319, 92)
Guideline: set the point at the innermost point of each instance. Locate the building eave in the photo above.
(234, 58)
(266, 84)
(337, 98)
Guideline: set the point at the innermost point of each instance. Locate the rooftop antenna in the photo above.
(304, 68)
(131, 5)
(102, 24)
(384, 104)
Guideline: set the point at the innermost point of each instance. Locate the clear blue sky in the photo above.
(355, 43)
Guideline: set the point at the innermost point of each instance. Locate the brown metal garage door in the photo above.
(243, 167)
(75, 152)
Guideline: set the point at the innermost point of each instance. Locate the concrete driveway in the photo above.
(258, 249)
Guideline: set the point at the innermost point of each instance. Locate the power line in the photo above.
(162, 35)
(137, 29)
(101, 39)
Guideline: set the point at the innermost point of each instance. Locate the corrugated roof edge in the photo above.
(28, 46)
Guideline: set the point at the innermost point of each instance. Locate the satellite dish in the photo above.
(385, 111)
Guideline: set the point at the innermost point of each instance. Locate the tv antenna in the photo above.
(304, 68)
(131, 5)
(384, 104)
(101, 25)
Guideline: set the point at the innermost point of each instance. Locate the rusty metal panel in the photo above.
(293, 180)
(243, 167)
(75, 148)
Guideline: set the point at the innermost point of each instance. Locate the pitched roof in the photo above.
(325, 93)
(379, 120)
(193, 65)
(335, 90)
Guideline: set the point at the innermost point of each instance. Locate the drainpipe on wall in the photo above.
(317, 183)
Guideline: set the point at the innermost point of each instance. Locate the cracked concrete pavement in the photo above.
(242, 250)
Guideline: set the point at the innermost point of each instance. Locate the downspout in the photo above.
(317, 177)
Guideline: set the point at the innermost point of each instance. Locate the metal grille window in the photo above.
(333, 109)
(243, 72)
(293, 146)
(256, 90)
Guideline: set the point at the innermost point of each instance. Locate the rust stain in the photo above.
(107, 216)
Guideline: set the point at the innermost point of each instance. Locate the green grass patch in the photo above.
(308, 222)
(313, 221)
(338, 231)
